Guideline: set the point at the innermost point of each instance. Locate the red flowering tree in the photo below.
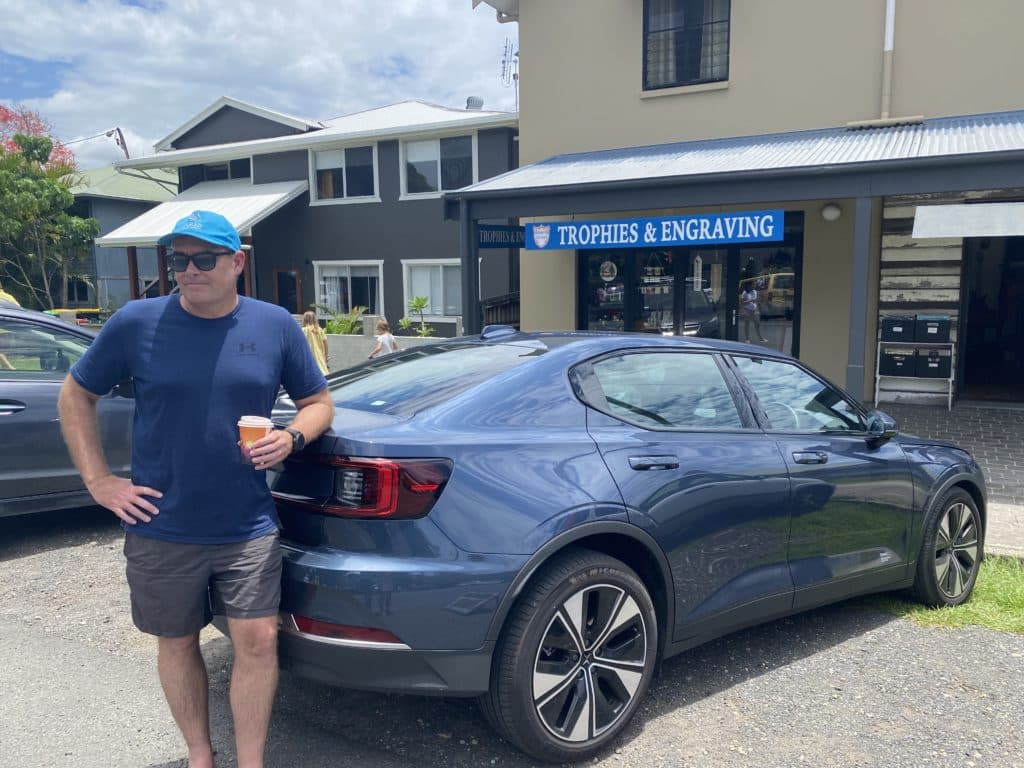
(27, 122)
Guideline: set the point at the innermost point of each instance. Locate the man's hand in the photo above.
(125, 500)
(271, 449)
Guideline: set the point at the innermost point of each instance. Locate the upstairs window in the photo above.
(685, 42)
(346, 173)
(436, 165)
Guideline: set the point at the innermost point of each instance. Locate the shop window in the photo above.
(344, 174)
(685, 42)
(435, 165)
(341, 286)
(440, 282)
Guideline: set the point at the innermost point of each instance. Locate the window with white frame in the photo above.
(435, 165)
(345, 174)
(342, 285)
(440, 282)
(685, 42)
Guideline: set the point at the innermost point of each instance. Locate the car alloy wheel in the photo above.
(951, 551)
(590, 663)
(956, 550)
(574, 658)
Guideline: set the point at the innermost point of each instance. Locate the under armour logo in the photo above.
(247, 348)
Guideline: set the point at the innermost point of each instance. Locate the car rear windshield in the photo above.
(412, 380)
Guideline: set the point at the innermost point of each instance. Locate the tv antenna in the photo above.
(510, 69)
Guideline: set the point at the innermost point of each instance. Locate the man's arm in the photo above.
(314, 416)
(80, 427)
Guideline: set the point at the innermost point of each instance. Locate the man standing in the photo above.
(201, 529)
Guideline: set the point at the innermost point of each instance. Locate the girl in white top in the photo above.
(386, 343)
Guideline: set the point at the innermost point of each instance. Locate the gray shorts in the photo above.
(176, 588)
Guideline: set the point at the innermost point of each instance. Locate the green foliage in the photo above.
(417, 306)
(345, 324)
(997, 602)
(42, 246)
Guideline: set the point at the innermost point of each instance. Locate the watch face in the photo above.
(298, 439)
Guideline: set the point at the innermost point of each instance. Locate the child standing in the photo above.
(316, 339)
(386, 343)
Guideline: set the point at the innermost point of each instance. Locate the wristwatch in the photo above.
(298, 439)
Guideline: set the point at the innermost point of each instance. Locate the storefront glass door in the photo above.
(764, 285)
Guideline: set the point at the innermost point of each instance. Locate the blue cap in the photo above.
(207, 226)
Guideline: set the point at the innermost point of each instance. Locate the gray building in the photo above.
(341, 213)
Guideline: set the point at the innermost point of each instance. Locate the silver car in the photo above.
(36, 473)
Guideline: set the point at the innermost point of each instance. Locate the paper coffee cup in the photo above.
(251, 429)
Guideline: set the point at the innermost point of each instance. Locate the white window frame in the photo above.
(318, 267)
(403, 180)
(407, 290)
(314, 188)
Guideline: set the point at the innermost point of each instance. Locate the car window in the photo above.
(666, 389)
(795, 400)
(406, 382)
(37, 352)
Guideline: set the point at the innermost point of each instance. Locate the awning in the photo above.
(969, 220)
(239, 200)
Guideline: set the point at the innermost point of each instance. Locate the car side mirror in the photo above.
(882, 426)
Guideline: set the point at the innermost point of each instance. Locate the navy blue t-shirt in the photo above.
(193, 379)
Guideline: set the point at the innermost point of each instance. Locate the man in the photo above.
(200, 524)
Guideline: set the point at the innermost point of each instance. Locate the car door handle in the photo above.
(644, 463)
(7, 407)
(810, 457)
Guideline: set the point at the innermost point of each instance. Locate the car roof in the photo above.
(12, 311)
(598, 341)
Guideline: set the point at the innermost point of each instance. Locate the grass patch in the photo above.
(997, 602)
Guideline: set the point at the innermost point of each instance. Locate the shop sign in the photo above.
(497, 236)
(701, 229)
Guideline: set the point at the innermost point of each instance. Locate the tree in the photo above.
(26, 122)
(41, 243)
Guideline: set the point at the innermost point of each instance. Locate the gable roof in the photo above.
(226, 101)
(156, 185)
(395, 121)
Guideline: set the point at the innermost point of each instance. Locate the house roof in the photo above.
(156, 185)
(402, 120)
(226, 101)
(242, 203)
(964, 136)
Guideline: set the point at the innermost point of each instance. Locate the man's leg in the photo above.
(183, 677)
(253, 684)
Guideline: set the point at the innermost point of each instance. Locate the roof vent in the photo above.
(474, 102)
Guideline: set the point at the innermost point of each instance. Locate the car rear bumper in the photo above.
(438, 610)
(356, 664)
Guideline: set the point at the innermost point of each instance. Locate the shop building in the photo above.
(886, 138)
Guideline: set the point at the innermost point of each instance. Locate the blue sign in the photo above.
(496, 236)
(699, 229)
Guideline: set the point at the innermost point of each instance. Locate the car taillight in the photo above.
(396, 489)
(342, 631)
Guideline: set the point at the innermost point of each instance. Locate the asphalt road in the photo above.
(841, 686)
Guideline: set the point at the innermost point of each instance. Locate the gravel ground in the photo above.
(840, 686)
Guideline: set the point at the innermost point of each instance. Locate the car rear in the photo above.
(375, 595)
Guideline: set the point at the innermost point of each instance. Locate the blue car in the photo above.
(536, 519)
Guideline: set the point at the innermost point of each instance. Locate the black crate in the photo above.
(898, 328)
(931, 328)
(934, 363)
(898, 361)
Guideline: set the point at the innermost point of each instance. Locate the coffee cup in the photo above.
(251, 429)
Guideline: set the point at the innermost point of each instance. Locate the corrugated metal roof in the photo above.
(242, 203)
(814, 149)
(156, 185)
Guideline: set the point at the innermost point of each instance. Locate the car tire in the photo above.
(575, 658)
(951, 551)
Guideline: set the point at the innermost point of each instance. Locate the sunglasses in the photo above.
(204, 260)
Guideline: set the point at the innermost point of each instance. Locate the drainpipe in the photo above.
(887, 51)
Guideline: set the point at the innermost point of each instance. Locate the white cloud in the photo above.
(148, 70)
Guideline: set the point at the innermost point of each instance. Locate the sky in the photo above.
(148, 66)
